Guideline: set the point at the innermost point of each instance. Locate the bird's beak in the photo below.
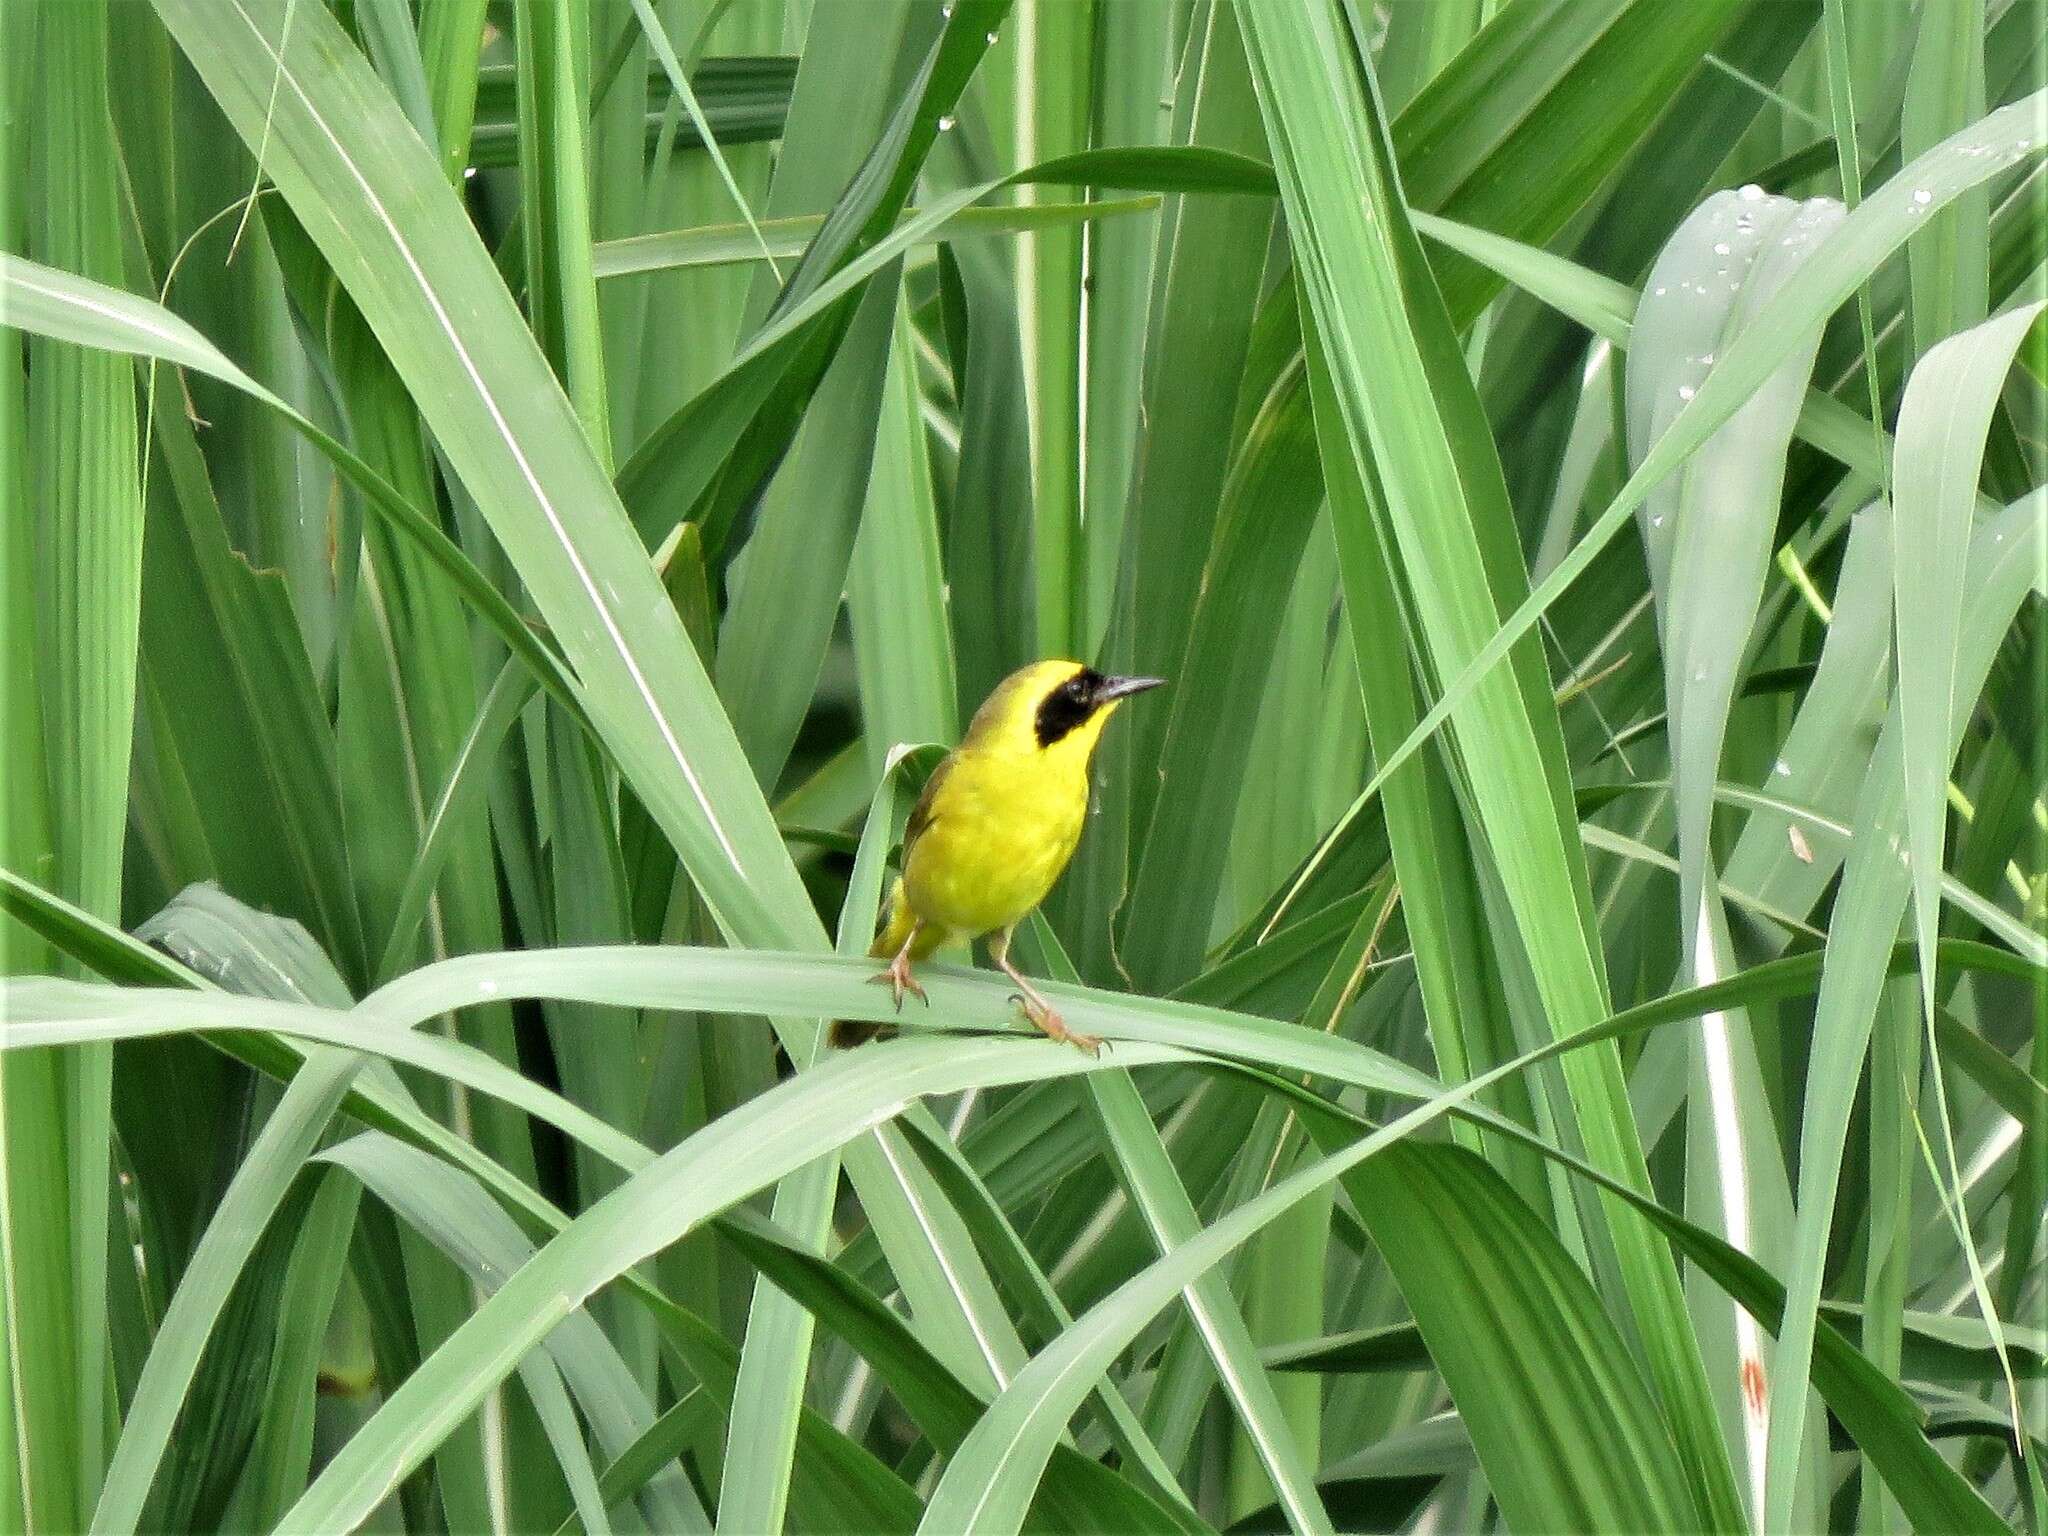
(1123, 687)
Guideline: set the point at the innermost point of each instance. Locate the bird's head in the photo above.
(1056, 708)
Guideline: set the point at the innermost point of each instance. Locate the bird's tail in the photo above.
(894, 933)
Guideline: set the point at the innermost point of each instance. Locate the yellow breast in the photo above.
(1001, 831)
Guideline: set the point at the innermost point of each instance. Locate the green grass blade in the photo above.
(353, 172)
(896, 597)
(84, 503)
(208, 929)
(603, 971)
(1944, 94)
(561, 291)
(56, 1012)
(269, 955)
(72, 308)
(1391, 355)
(1148, 1174)
(679, 82)
(874, 1076)
(1203, 303)
(1872, 900)
(682, 456)
(1268, 506)
(1056, 84)
(242, 710)
(726, 244)
(1823, 758)
(1883, 1419)
(1509, 1318)
(1210, 254)
(1465, 1006)
(284, 1455)
(1027, 1284)
(453, 809)
(986, 1485)
(464, 1223)
(1708, 539)
(1944, 421)
(1132, 49)
(989, 518)
(1860, 244)
(392, 40)
(1606, 308)
(775, 1359)
(451, 42)
(386, 390)
(784, 595)
(743, 1151)
(1418, 43)
(1848, 160)
(1518, 131)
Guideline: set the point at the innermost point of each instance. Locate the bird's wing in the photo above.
(925, 811)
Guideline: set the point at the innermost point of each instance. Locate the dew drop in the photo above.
(487, 987)
(1782, 768)
(1721, 248)
(1685, 391)
(1752, 193)
(1662, 291)
(1657, 521)
(991, 39)
(1708, 358)
(1922, 196)
(946, 124)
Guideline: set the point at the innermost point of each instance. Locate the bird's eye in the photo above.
(1066, 706)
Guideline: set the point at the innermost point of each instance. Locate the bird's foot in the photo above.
(1047, 1018)
(901, 981)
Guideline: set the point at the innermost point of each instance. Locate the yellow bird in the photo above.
(995, 826)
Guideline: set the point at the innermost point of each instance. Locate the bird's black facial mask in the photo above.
(1079, 697)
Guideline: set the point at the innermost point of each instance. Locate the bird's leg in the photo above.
(898, 974)
(1036, 1008)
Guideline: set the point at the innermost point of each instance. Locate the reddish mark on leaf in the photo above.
(1753, 1386)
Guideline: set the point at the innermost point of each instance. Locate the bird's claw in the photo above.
(1055, 1027)
(900, 981)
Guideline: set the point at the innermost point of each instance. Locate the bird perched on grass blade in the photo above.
(995, 826)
